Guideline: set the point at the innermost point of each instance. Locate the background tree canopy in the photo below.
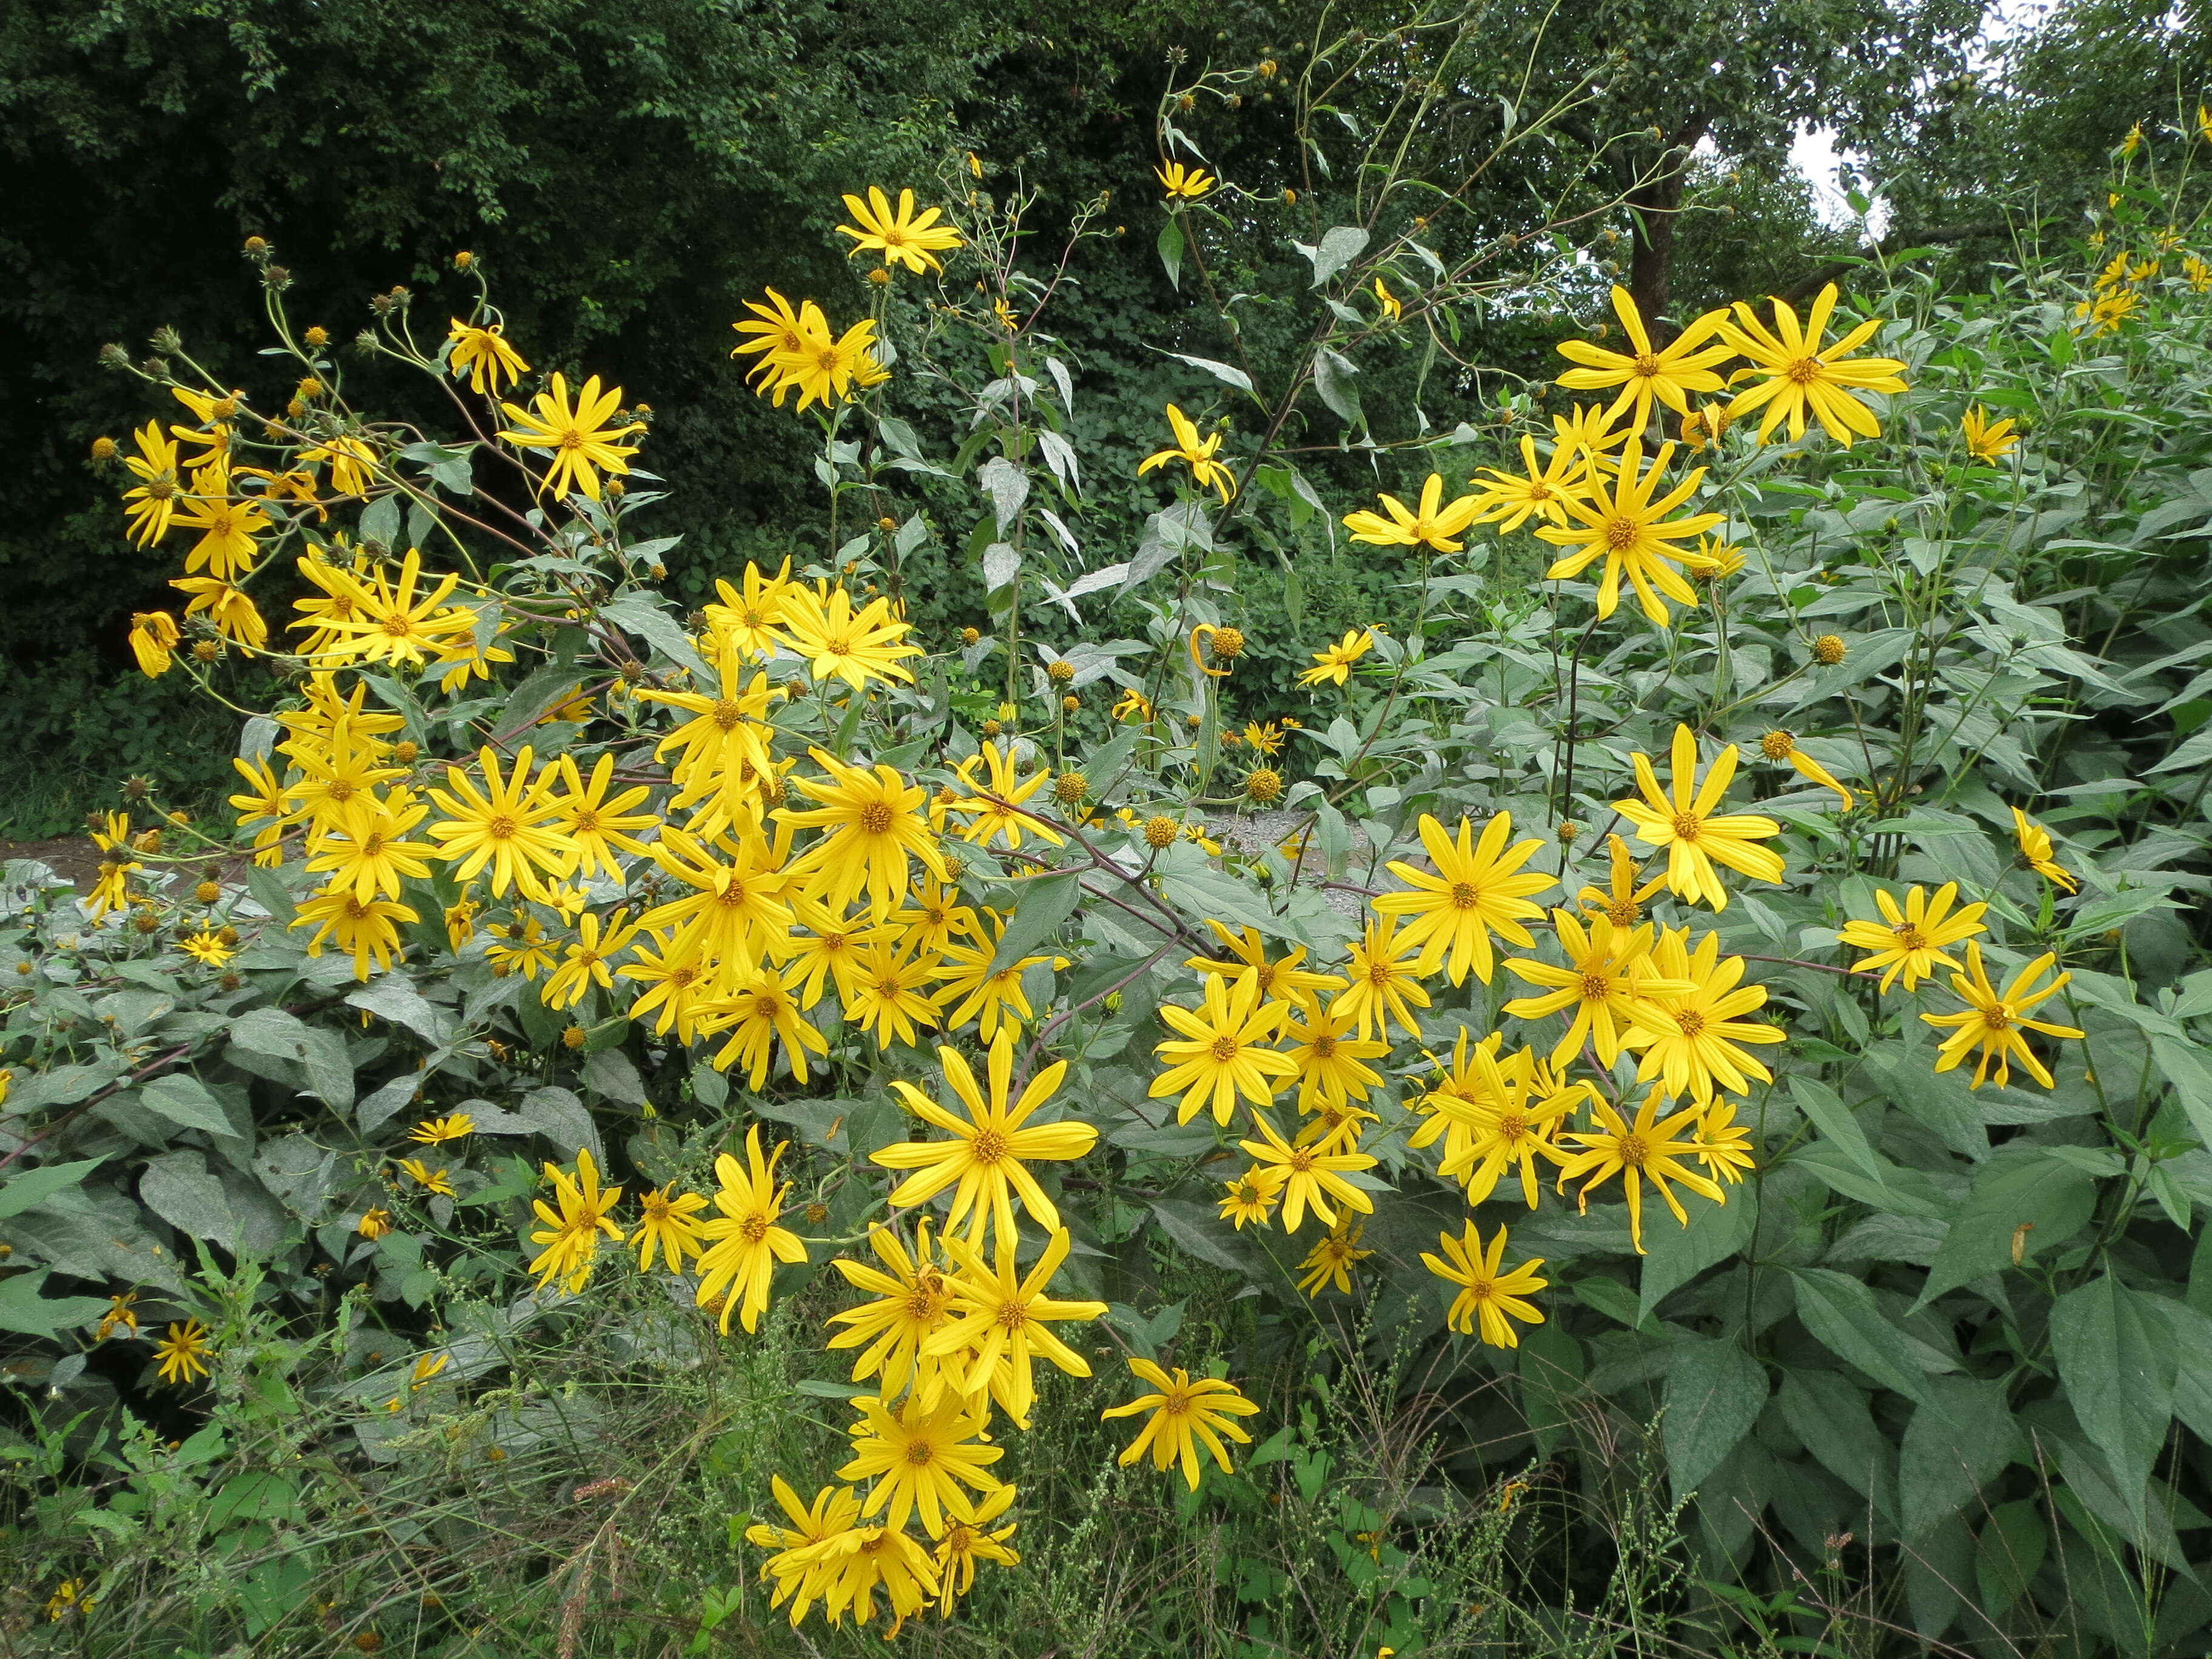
(631, 169)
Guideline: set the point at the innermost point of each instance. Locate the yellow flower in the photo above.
(967, 1542)
(1645, 1150)
(230, 609)
(1205, 470)
(571, 1233)
(1184, 184)
(1221, 1056)
(995, 811)
(1505, 1119)
(2133, 141)
(1311, 1176)
(1702, 428)
(1487, 1298)
(2199, 273)
(1509, 499)
(805, 1566)
(1333, 665)
(595, 825)
(366, 929)
(373, 1224)
(664, 1223)
(1473, 891)
(437, 1131)
(1432, 527)
(1911, 941)
(1633, 534)
(888, 999)
(1607, 973)
(780, 335)
(755, 617)
(1134, 708)
(1645, 374)
(1684, 825)
(1382, 983)
(1802, 377)
(1692, 1041)
(1332, 1068)
(183, 1353)
(747, 1242)
(508, 825)
(911, 1304)
(228, 526)
(999, 1324)
(762, 1006)
(152, 637)
(872, 1558)
(1778, 745)
(2106, 315)
(578, 435)
(121, 1316)
(1723, 1144)
(483, 354)
(151, 503)
(1251, 1197)
(903, 237)
(824, 370)
(1185, 1413)
(1281, 979)
(1985, 441)
(2035, 847)
(873, 825)
(1332, 1259)
(922, 1458)
(384, 622)
(1996, 1023)
(1392, 310)
(434, 1181)
(841, 643)
(991, 1148)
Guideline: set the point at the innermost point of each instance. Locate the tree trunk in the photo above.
(1656, 201)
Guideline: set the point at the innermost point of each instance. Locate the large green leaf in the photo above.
(1843, 1317)
(1678, 1254)
(24, 1311)
(319, 1054)
(1831, 1415)
(37, 1186)
(1953, 1447)
(2024, 1194)
(2117, 1358)
(1040, 905)
(1714, 1392)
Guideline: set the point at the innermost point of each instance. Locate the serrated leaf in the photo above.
(319, 1054)
(636, 613)
(1044, 903)
(1714, 1392)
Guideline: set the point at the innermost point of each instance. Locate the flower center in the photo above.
(875, 817)
(1620, 534)
(1464, 896)
(1012, 1316)
(1689, 1022)
(1302, 1162)
(1324, 1048)
(1225, 1048)
(754, 1227)
(1596, 988)
(1513, 1126)
(1686, 826)
(1378, 972)
(1634, 1150)
(584, 822)
(502, 827)
(919, 1453)
(1647, 365)
(1804, 370)
(1909, 938)
(1996, 1020)
(988, 1147)
(727, 713)
(1623, 912)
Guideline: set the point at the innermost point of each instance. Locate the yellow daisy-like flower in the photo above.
(1184, 184)
(840, 642)
(991, 1148)
(578, 435)
(1488, 1299)
(1987, 440)
(2036, 848)
(571, 1233)
(999, 1324)
(1607, 973)
(1686, 825)
(1694, 1042)
(826, 370)
(1221, 1056)
(1311, 1176)
(664, 1226)
(1330, 1262)
(1433, 525)
(1282, 979)
(754, 618)
(1801, 377)
(183, 1354)
(1620, 901)
(483, 354)
(913, 1300)
(763, 1007)
(1909, 941)
(1332, 1063)
(1631, 531)
(1476, 888)
(1390, 307)
(510, 826)
(1333, 664)
(1251, 1197)
(1538, 491)
(901, 235)
(995, 811)
(1505, 1121)
(1723, 1144)
(922, 1457)
(1995, 1023)
(437, 1131)
(1645, 374)
(778, 335)
(747, 1243)
(151, 504)
(967, 1542)
(1780, 746)
(1646, 1149)
(805, 1566)
(438, 1182)
(1196, 453)
(1185, 1413)
(1382, 983)
(873, 828)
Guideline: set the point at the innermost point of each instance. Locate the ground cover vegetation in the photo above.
(1650, 1095)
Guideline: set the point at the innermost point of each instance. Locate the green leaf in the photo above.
(1825, 1107)
(1714, 1392)
(2010, 1553)
(1954, 1446)
(1844, 1318)
(1171, 248)
(177, 1188)
(35, 1186)
(1831, 1415)
(609, 1072)
(1334, 378)
(2117, 1358)
(184, 1100)
(391, 997)
(24, 1311)
(1201, 893)
(1221, 372)
(1045, 902)
(2018, 1187)
(321, 1054)
(1901, 1192)
(1678, 1255)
